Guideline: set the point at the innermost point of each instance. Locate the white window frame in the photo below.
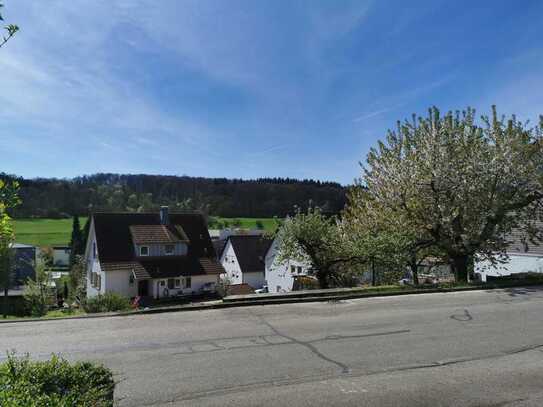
(178, 283)
(144, 255)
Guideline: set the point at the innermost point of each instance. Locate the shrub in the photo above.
(106, 303)
(38, 294)
(56, 382)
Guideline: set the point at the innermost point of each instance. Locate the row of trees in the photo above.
(216, 196)
(446, 188)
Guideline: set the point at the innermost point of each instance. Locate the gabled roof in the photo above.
(115, 234)
(142, 234)
(219, 246)
(250, 252)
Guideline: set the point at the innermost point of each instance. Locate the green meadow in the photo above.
(53, 232)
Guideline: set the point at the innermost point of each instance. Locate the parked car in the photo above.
(262, 290)
(208, 288)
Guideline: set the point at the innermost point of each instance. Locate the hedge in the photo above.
(56, 382)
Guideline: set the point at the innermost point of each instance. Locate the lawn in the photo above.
(53, 232)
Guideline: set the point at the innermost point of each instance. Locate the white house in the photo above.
(281, 276)
(150, 255)
(243, 259)
(524, 257)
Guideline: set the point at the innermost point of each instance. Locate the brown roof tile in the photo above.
(157, 234)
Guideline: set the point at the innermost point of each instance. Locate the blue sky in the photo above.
(249, 88)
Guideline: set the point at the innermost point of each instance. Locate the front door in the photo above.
(143, 288)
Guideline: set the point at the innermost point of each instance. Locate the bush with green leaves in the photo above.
(106, 303)
(56, 382)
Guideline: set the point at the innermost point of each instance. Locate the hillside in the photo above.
(230, 198)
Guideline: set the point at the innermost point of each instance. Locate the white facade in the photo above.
(96, 279)
(280, 276)
(517, 263)
(233, 270)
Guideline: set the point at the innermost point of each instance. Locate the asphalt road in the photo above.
(455, 349)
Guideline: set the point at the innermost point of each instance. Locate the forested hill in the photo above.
(265, 197)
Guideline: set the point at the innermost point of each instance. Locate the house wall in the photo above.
(93, 265)
(278, 276)
(180, 249)
(516, 264)
(119, 281)
(230, 263)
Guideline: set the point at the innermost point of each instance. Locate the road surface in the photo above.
(455, 349)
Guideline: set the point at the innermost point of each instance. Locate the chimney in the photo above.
(164, 217)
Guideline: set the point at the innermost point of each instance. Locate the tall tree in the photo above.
(315, 238)
(456, 185)
(76, 241)
(11, 29)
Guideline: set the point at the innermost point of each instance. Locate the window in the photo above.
(293, 269)
(177, 283)
(299, 270)
(188, 282)
(162, 283)
(171, 283)
(144, 250)
(169, 249)
(131, 279)
(94, 249)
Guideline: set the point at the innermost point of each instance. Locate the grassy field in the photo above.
(246, 223)
(52, 232)
(44, 232)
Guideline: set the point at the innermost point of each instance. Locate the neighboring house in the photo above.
(150, 254)
(61, 256)
(524, 257)
(220, 237)
(281, 277)
(25, 257)
(243, 259)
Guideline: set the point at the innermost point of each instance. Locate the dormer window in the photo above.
(169, 249)
(144, 250)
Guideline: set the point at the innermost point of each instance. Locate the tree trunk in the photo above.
(373, 275)
(322, 276)
(460, 268)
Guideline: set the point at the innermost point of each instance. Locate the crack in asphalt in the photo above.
(308, 345)
(315, 378)
(466, 316)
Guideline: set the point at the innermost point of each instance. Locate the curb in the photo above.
(252, 301)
